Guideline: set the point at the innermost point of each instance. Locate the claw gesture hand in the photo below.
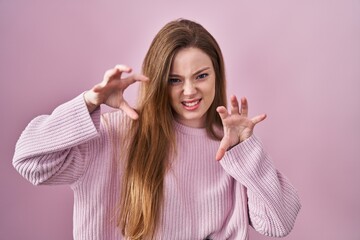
(237, 126)
(110, 90)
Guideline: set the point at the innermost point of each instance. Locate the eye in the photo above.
(174, 81)
(201, 76)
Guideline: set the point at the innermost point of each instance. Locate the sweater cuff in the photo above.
(245, 161)
(85, 123)
(94, 120)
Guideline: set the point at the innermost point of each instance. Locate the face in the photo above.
(191, 86)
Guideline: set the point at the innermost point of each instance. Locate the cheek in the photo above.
(211, 91)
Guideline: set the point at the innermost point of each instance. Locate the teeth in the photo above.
(190, 104)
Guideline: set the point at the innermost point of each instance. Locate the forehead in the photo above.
(190, 60)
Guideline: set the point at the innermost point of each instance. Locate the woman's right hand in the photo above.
(110, 90)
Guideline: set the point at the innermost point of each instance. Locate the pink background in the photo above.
(298, 61)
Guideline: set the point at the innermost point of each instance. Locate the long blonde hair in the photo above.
(152, 135)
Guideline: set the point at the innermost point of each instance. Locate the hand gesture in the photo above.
(237, 126)
(110, 90)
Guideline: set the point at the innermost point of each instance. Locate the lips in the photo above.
(191, 105)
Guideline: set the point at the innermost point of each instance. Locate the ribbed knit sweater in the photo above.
(203, 198)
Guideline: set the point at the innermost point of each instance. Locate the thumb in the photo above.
(97, 88)
(129, 110)
(222, 149)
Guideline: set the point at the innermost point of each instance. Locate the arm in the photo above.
(56, 149)
(272, 200)
(53, 149)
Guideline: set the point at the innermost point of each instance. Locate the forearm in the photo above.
(53, 144)
(273, 202)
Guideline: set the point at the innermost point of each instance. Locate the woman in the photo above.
(151, 173)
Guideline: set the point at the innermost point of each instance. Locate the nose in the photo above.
(189, 88)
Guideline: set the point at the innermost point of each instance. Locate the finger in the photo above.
(119, 70)
(123, 68)
(97, 88)
(258, 118)
(129, 110)
(135, 78)
(222, 112)
(108, 75)
(244, 107)
(234, 105)
(116, 72)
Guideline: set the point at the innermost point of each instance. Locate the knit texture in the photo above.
(203, 198)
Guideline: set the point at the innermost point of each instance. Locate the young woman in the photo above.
(180, 166)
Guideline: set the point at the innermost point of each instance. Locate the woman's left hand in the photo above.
(237, 126)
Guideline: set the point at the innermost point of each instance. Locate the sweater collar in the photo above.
(189, 130)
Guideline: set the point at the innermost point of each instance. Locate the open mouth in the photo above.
(191, 104)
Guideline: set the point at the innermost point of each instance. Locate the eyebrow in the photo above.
(197, 72)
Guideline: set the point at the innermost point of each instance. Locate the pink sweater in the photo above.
(203, 198)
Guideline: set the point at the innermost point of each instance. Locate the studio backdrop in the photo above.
(297, 61)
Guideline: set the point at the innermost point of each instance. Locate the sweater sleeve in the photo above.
(53, 149)
(273, 202)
